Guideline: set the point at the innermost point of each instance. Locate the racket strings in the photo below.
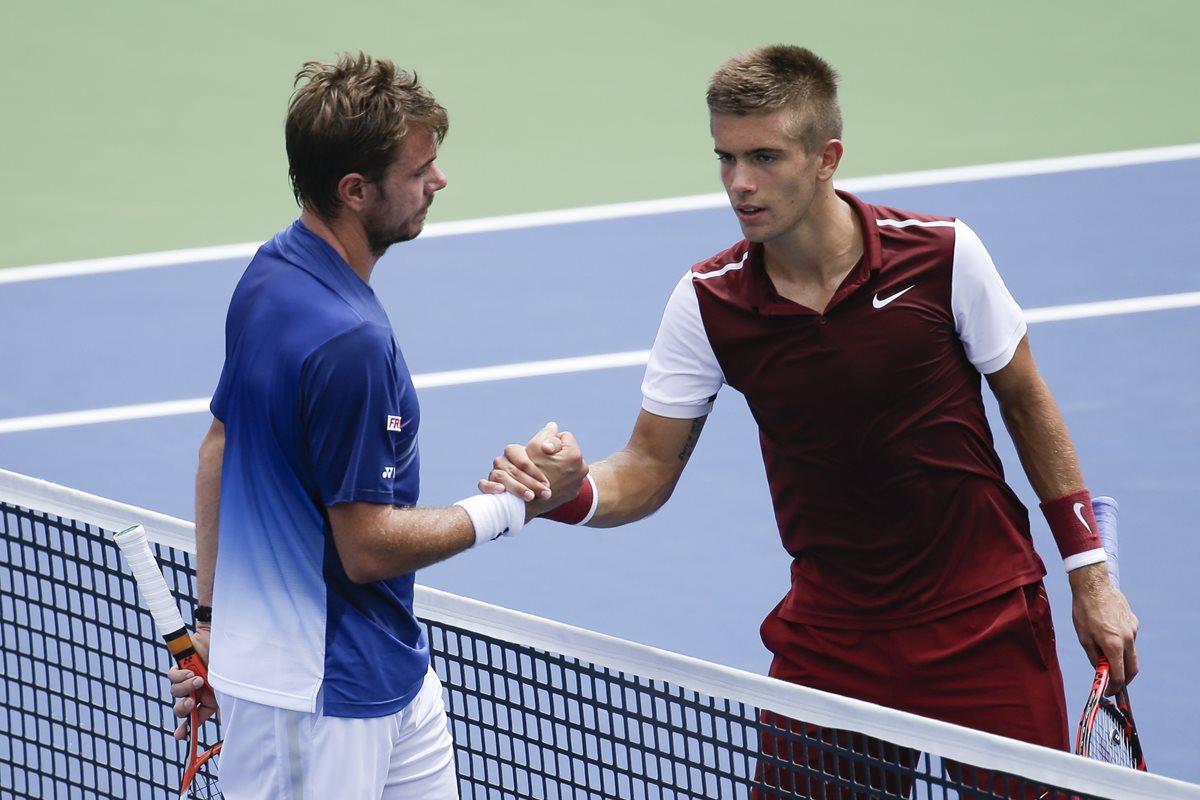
(204, 784)
(204, 788)
(1110, 738)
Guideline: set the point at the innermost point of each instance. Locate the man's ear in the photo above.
(352, 190)
(831, 157)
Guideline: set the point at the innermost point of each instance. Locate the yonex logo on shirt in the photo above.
(389, 472)
(394, 423)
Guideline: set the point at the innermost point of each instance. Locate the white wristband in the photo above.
(494, 515)
(1084, 559)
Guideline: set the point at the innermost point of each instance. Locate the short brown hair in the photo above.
(352, 116)
(779, 77)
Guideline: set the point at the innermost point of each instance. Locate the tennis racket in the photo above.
(1106, 729)
(200, 773)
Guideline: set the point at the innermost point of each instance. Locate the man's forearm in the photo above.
(1045, 448)
(208, 506)
(1036, 426)
(635, 482)
(627, 492)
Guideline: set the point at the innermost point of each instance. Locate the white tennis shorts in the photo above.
(275, 754)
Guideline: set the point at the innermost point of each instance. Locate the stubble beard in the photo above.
(379, 240)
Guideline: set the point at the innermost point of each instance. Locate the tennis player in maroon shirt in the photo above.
(858, 335)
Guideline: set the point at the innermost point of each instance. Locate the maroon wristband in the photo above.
(577, 510)
(1073, 523)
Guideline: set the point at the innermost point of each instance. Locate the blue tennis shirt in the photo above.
(319, 409)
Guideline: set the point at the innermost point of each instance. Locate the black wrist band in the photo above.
(203, 613)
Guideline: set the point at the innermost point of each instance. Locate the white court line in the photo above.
(1010, 169)
(455, 377)
(1112, 308)
(557, 366)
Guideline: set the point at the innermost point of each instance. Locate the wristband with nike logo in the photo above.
(1073, 524)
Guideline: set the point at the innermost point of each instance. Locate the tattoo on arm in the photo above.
(692, 438)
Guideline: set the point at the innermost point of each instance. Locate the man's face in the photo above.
(401, 199)
(770, 179)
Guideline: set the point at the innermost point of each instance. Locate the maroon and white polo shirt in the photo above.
(887, 488)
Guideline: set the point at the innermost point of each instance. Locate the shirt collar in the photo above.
(872, 257)
(302, 248)
(769, 302)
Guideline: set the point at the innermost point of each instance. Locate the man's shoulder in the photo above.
(276, 284)
(901, 224)
(903, 236)
(721, 263)
(287, 310)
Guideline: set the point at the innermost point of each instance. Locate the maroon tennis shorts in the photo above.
(992, 667)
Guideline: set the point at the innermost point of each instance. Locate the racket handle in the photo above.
(1105, 508)
(157, 598)
(191, 660)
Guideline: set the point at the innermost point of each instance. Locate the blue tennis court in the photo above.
(699, 576)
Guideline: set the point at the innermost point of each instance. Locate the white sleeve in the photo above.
(682, 375)
(989, 322)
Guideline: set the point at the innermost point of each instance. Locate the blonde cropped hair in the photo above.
(781, 77)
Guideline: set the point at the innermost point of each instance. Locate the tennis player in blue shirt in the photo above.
(309, 473)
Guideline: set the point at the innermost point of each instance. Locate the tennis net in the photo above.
(537, 709)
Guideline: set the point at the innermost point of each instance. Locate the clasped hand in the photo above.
(547, 471)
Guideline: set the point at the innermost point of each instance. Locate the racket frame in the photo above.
(1097, 704)
(1105, 511)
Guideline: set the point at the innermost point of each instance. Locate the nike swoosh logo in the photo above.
(880, 303)
(1078, 507)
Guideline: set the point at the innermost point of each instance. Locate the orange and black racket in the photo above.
(200, 773)
(1106, 729)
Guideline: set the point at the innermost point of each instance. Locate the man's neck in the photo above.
(828, 237)
(808, 265)
(346, 237)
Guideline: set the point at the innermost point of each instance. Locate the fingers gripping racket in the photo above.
(1106, 729)
(200, 773)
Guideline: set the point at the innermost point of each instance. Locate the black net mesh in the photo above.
(84, 710)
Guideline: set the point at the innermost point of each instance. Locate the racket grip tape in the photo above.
(158, 599)
(1105, 508)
